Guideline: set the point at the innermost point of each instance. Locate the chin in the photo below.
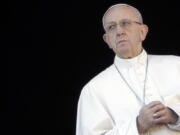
(124, 53)
(124, 49)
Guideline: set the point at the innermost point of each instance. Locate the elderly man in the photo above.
(135, 95)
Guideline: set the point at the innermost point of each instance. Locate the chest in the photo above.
(121, 102)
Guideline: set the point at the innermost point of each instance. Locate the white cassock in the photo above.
(108, 107)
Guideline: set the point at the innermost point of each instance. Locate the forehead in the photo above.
(118, 13)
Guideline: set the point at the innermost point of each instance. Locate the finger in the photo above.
(157, 108)
(153, 103)
(159, 114)
(160, 120)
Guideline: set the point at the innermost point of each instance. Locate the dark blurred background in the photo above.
(55, 47)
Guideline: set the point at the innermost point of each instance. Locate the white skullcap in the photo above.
(123, 5)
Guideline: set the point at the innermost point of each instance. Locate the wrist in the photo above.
(140, 128)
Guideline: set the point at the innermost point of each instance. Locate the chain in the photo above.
(144, 87)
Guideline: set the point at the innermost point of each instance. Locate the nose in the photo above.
(119, 30)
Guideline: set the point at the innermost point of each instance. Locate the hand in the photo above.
(166, 116)
(147, 119)
(154, 114)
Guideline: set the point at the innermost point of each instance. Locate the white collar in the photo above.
(135, 61)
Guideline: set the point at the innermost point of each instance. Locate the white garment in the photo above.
(108, 107)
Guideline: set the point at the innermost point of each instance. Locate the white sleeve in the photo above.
(94, 119)
(175, 105)
(176, 109)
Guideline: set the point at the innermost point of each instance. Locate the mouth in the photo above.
(121, 41)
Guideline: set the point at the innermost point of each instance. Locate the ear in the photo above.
(144, 31)
(106, 39)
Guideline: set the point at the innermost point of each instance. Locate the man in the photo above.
(135, 95)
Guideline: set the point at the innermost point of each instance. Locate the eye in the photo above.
(125, 23)
(111, 27)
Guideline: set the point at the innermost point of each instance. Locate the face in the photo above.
(124, 40)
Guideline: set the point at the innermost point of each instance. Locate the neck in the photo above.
(130, 55)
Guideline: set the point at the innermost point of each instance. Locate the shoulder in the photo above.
(100, 80)
(166, 59)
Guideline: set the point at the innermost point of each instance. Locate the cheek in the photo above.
(109, 41)
(140, 36)
(112, 40)
(136, 37)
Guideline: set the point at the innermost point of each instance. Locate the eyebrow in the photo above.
(119, 21)
(112, 22)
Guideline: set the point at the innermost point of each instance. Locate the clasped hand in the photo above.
(155, 113)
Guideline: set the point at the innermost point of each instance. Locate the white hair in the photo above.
(122, 5)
